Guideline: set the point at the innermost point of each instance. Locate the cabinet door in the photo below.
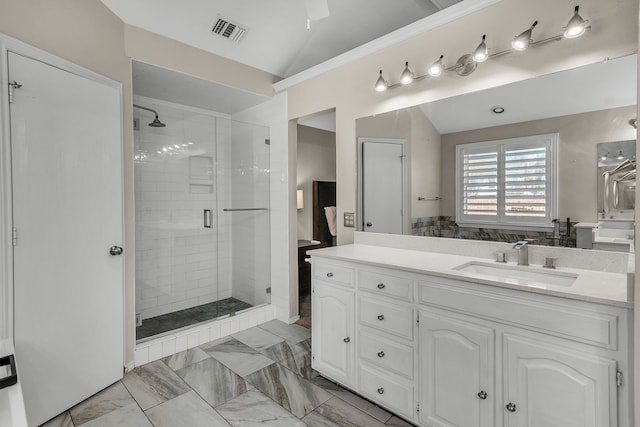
(456, 372)
(332, 332)
(553, 386)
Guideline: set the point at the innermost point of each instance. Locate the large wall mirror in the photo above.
(582, 107)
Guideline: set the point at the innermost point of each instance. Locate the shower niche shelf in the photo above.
(201, 175)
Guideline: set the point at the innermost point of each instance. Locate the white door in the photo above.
(333, 339)
(383, 187)
(456, 372)
(67, 209)
(552, 386)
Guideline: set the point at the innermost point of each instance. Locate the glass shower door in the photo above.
(243, 213)
(176, 230)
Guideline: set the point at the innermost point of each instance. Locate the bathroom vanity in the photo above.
(437, 332)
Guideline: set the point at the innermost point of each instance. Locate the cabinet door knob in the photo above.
(381, 317)
(482, 395)
(511, 407)
(347, 340)
(381, 354)
(381, 390)
(329, 274)
(381, 286)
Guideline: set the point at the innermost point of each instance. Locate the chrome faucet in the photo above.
(523, 252)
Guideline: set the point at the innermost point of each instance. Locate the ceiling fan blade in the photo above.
(317, 9)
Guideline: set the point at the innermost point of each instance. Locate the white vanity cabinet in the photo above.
(548, 385)
(444, 352)
(333, 319)
(556, 360)
(385, 346)
(457, 384)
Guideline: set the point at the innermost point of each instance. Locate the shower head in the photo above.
(156, 123)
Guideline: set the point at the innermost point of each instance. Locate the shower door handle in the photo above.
(207, 218)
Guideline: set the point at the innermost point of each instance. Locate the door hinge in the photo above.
(267, 141)
(269, 290)
(417, 321)
(619, 378)
(13, 85)
(417, 407)
(14, 236)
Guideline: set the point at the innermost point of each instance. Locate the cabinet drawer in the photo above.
(390, 391)
(387, 354)
(388, 317)
(386, 284)
(333, 273)
(575, 320)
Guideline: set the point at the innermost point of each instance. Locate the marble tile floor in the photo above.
(189, 316)
(258, 377)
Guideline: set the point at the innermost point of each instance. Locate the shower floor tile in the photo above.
(189, 316)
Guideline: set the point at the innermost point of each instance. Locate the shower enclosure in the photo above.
(202, 216)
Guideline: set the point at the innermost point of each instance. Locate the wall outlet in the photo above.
(136, 123)
(349, 219)
(138, 319)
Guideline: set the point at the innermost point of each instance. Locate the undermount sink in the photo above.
(519, 275)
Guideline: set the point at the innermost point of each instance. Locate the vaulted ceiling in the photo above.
(278, 37)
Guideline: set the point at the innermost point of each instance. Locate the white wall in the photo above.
(316, 162)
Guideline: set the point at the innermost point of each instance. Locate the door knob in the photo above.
(116, 250)
(347, 340)
(511, 407)
(482, 395)
(368, 224)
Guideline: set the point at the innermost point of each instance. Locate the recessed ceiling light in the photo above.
(497, 109)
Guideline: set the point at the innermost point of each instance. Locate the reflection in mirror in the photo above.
(616, 179)
(585, 106)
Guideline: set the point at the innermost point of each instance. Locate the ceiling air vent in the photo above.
(229, 30)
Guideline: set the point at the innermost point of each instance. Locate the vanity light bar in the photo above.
(467, 64)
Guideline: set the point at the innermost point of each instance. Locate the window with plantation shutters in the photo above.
(507, 183)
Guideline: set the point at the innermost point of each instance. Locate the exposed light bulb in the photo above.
(604, 157)
(576, 26)
(407, 76)
(620, 155)
(482, 52)
(437, 67)
(381, 83)
(523, 40)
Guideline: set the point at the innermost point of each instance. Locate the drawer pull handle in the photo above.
(347, 339)
(381, 354)
(329, 274)
(381, 390)
(381, 317)
(482, 395)
(511, 407)
(381, 286)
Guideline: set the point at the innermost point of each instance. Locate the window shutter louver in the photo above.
(508, 183)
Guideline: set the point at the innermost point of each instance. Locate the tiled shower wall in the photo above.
(177, 263)
(445, 226)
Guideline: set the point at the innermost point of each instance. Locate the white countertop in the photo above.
(12, 411)
(594, 286)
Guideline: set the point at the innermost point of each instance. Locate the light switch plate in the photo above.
(349, 219)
